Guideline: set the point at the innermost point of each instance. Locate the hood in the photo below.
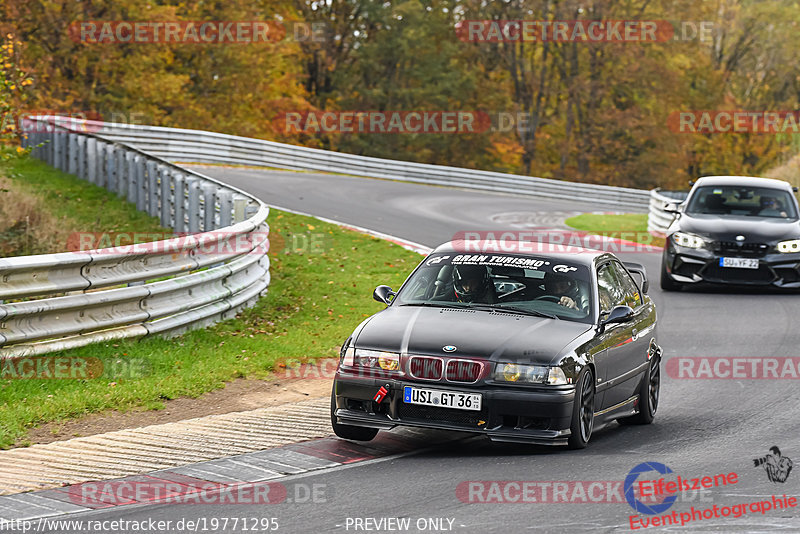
(726, 228)
(474, 333)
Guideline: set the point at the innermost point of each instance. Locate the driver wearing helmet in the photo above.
(567, 291)
(771, 207)
(471, 283)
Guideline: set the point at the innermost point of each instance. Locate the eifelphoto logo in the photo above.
(584, 31)
(777, 466)
(197, 32)
(734, 122)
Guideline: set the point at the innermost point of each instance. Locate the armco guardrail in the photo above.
(207, 147)
(71, 299)
(659, 220)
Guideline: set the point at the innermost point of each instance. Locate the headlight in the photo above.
(688, 240)
(349, 356)
(529, 374)
(388, 361)
(785, 247)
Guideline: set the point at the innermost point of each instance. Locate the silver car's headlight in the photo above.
(529, 374)
(786, 247)
(687, 240)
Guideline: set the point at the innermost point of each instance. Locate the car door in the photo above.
(616, 288)
(633, 353)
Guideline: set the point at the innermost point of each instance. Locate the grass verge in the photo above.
(42, 209)
(322, 280)
(628, 226)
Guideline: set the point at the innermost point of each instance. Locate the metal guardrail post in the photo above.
(193, 187)
(141, 184)
(152, 188)
(102, 167)
(209, 207)
(58, 139)
(179, 195)
(133, 177)
(122, 173)
(166, 195)
(111, 167)
(71, 160)
(80, 155)
(239, 208)
(225, 208)
(91, 160)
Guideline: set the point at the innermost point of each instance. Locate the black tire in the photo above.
(649, 392)
(357, 433)
(667, 283)
(582, 411)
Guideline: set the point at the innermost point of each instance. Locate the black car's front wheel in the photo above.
(667, 283)
(582, 411)
(649, 391)
(358, 433)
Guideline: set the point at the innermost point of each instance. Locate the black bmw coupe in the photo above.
(537, 347)
(734, 230)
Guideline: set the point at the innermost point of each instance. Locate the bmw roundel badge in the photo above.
(449, 348)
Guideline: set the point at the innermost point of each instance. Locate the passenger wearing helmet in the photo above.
(567, 291)
(471, 283)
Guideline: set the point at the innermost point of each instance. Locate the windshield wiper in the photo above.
(512, 309)
(434, 304)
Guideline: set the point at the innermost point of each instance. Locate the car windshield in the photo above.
(742, 201)
(518, 283)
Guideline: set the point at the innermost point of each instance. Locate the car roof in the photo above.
(573, 254)
(743, 181)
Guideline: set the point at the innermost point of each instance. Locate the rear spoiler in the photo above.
(639, 269)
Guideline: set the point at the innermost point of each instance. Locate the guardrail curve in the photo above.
(199, 146)
(215, 265)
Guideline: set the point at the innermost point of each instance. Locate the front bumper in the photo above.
(513, 413)
(701, 267)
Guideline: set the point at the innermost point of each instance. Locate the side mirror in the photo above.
(618, 314)
(383, 294)
(638, 269)
(672, 208)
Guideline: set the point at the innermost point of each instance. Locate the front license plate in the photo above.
(442, 399)
(739, 263)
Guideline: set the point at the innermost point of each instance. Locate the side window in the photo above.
(608, 289)
(632, 296)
